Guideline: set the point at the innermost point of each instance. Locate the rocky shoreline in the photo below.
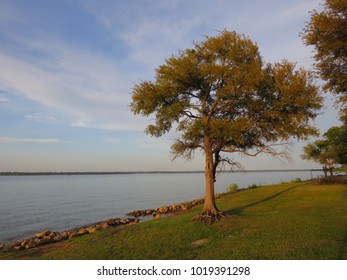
(48, 236)
(169, 209)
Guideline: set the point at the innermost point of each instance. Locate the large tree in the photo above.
(327, 32)
(222, 98)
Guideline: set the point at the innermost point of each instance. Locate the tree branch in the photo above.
(190, 114)
(263, 150)
(184, 149)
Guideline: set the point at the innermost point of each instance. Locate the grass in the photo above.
(287, 221)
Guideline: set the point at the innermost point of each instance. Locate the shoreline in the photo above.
(48, 237)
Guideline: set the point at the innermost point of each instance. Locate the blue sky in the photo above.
(68, 68)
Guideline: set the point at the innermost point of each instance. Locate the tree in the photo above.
(223, 99)
(330, 150)
(318, 151)
(327, 32)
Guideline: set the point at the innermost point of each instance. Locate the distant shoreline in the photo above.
(14, 173)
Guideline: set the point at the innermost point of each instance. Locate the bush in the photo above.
(233, 188)
(296, 180)
(253, 186)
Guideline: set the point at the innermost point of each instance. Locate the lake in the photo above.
(29, 204)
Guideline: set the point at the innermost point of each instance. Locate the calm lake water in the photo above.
(29, 204)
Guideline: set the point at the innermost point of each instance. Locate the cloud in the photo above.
(43, 117)
(114, 140)
(3, 99)
(92, 89)
(87, 87)
(30, 140)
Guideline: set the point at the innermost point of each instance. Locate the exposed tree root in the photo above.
(210, 217)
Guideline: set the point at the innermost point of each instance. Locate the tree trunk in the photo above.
(210, 207)
(331, 171)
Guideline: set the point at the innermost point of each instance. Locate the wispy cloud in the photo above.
(3, 99)
(87, 87)
(30, 140)
(92, 89)
(43, 117)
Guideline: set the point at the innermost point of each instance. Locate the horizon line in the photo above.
(23, 173)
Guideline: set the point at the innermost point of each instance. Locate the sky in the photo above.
(68, 67)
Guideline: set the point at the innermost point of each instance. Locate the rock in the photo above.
(46, 239)
(82, 231)
(52, 235)
(57, 238)
(30, 244)
(104, 225)
(184, 207)
(163, 209)
(18, 248)
(157, 217)
(38, 241)
(113, 222)
(91, 229)
(98, 226)
(2, 246)
(71, 235)
(64, 235)
(42, 233)
(133, 222)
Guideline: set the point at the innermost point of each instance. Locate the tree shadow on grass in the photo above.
(239, 210)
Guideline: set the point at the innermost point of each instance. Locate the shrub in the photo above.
(253, 186)
(296, 180)
(233, 188)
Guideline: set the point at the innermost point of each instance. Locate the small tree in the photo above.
(327, 32)
(330, 150)
(225, 100)
(319, 152)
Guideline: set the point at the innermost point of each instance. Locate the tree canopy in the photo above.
(222, 98)
(330, 150)
(327, 32)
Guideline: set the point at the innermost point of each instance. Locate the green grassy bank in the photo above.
(286, 221)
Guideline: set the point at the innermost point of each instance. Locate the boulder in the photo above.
(52, 235)
(163, 209)
(57, 238)
(133, 222)
(82, 231)
(38, 241)
(46, 239)
(113, 222)
(104, 225)
(64, 235)
(71, 235)
(30, 244)
(157, 217)
(42, 233)
(184, 207)
(91, 229)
